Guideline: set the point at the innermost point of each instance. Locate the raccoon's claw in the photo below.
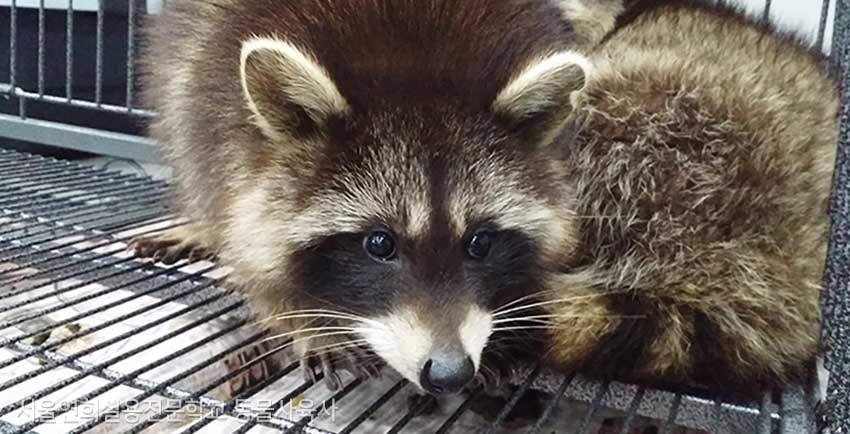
(493, 384)
(305, 364)
(334, 382)
(315, 366)
(152, 248)
(354, 360)
(357, 360)
(422, 405)
(169, 251)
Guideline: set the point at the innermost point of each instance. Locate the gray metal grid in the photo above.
(63, 262)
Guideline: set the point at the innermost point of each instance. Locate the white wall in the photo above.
(803, 15)
(154, 6)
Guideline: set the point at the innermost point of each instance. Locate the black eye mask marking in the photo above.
(367, 272)
(340, 271)
(510, 265)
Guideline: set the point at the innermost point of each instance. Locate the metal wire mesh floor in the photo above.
(93, 340)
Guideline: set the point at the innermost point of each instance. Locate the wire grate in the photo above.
(84, 325)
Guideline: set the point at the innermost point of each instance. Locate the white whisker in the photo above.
(311, 311)
(531, 320)
(545, 303)
(306, 330)
(318, 351)
(295, 341)
(314, 315)
(506, 329)
(520, 299)
(544, 317)
(321, 314)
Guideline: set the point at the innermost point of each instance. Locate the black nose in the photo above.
(446, 373)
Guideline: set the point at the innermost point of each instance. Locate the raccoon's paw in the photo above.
(524, 413)
(422, 405)
(356, 360)
(493, 378)
(264, 365)
(171, 246)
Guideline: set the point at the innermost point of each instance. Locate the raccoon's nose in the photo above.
(446, 373)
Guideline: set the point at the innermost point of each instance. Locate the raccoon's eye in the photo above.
(479, 245)
(380, 245)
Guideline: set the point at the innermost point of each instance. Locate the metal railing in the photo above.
(78, 59)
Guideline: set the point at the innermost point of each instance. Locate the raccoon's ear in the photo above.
(286, 89)
(538, 101)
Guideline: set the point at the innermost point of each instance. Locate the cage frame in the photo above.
(53, 220)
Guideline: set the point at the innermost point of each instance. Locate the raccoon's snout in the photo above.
(446, 372)
(438, 356)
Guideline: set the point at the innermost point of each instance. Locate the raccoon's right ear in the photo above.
(538, 101)
(287, 90)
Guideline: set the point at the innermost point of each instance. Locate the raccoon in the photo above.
(425, 183)
(381, 169)
(702, 173)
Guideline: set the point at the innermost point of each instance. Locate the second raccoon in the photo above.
(702, 174)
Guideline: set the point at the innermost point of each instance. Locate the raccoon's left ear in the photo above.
(538, 102)
(286, 88)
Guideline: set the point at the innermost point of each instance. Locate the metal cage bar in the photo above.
(41, 48)
(69, 52)
(13, 43)
(131, 53)
(98, 83)
(835, 411)
(824, 17)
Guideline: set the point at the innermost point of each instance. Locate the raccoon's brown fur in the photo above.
(703, 172)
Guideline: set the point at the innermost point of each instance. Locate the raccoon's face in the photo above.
(417, 225)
